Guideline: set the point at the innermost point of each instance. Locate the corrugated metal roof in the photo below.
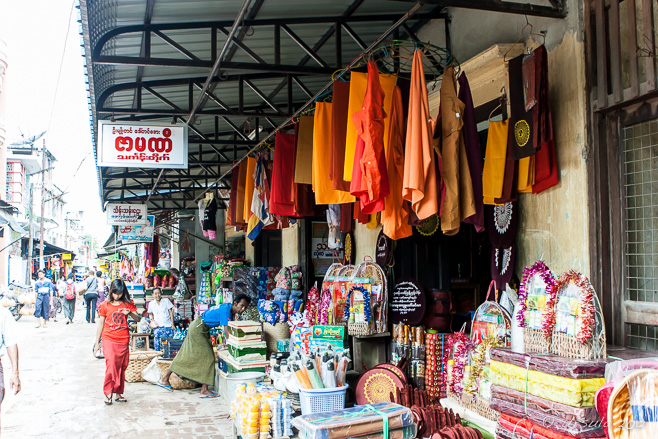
(115, 35)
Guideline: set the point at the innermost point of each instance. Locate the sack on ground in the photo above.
(80, 288)
(151, 373)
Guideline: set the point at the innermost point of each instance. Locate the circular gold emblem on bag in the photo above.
(521, 132)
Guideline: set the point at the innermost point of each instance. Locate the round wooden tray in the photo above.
(377, 385)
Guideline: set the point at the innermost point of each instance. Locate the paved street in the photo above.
(62, 394)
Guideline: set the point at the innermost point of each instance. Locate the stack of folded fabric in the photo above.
(545, 395)
(278, 311)
(361, 421)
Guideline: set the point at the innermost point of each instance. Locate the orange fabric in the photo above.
(115, 327)
(369, 123)
(493, 173)
(358, 85)
(526, 175)
(419, 178)
(249, 187)
(239, 199)
(459, 203)
(322, 185)
(395, 219)
(304, 151)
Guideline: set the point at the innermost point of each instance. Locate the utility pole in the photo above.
(43, 201)
(30, 242)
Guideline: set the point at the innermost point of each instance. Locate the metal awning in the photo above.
(152, 60)
(48, 249)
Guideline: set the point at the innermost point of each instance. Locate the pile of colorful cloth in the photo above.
(289, 278)
(545, 396)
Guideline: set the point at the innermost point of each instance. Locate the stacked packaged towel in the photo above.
(278, 311)
(545, 395)
(289, 278)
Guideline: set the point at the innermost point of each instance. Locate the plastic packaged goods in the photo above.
(569, 391)
(314, 377)
(579, 415)
(400, 433)
(548, 420)
(511, 427)
(618, 370)
(552, 364)
(353, 422)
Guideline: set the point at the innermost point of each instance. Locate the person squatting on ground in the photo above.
(113, 331)
(8, 345)
(195, 360)
(45, 289)
(161, 313)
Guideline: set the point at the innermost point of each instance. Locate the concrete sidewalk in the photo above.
(62, 394)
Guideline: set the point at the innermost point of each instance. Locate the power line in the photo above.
(61, 65)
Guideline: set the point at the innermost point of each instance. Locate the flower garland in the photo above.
(477, 361)
(587, 306)
(325, 304)
(366, 302)
(548, 316)
(462, 345)
(312, 306)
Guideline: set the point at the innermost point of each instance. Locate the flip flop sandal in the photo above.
(212, 395)
(120, 399)
(167, 388)
(108, 399)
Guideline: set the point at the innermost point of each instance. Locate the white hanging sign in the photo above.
(126, 214)
(134, 145)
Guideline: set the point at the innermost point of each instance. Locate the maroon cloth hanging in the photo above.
(346, 217)
(521, 121)
(283, 169)
(473, 152)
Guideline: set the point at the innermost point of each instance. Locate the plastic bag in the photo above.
(618, 370)
(151, 373)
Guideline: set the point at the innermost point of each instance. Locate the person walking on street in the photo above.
(8, 345)
(113, 331)
(91, 295)
(69, 299)
(161, 313)
(101, 288)
(45, 290)
(52, 312)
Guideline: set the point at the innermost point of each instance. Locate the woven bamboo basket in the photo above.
(333, 270)
(566, 345)
(534, 341)
(379, 320)
(474, 403)
(280, 331)
(176, 382)
(632, 405)
(138, 362)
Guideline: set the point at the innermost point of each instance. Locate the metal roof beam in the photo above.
(556, 10)
(349, 18)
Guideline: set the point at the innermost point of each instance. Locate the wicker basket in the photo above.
(474, 403)
(138, 362)
(280, 331)
(368, 269)
(534, 341)
(175, 381)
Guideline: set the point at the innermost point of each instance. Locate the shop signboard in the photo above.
(138, 233)
(135, 145)
(323, 256)
(126, 214)
(66, 256)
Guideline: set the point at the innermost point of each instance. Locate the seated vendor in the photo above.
(195, 360)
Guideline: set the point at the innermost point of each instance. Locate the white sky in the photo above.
(35, 32)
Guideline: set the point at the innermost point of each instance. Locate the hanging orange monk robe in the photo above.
(395, 219)
(304, 151)
(493, 173)
(239, 198)
(358, 85)
(322, 185)
(250, 182)
(458, 204)
(419, 179)
(526, 177)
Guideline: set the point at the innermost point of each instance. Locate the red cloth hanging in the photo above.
(283, 169)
